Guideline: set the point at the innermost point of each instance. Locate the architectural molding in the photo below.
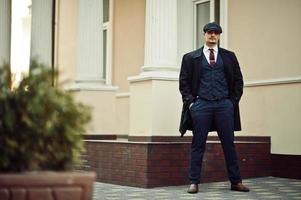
(155, 75)
(160, 34)
(123, 95)
(174, 76)
(171, 76)
(276, 81)
(84, 86)
(160, 68)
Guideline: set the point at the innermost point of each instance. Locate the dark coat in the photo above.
(189, 83)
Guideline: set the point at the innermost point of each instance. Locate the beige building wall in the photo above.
(66, 37)
(128, 41)
(122, 114)
(263, 34)
(155, 107)
(102, 102)
(128, 54)
(265, 37)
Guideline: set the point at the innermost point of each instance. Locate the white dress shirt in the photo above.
(206, 52)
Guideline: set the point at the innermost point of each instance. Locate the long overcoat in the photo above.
(189, 83)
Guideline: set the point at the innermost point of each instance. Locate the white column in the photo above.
(5, 30)
(161, 48)
(90, 51)
(155, 102)
(41, 31)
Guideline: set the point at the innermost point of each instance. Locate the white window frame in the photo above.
(109, 28)
(223, 19)
(91, 78)
(223, 15)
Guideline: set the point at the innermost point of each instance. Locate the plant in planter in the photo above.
(41, 129)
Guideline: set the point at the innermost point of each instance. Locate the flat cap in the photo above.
(212, 27)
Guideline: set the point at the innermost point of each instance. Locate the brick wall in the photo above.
(286, 166)
(118, 163)
(153, 164)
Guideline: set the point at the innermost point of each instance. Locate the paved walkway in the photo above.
(261, 188)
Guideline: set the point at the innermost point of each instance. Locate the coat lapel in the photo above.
(228, 68)
(197, 65)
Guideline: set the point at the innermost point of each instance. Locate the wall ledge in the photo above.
(90, 86)
(276, 81)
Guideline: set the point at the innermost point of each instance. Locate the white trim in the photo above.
(200, 1)
(123, 95)
(160, 68)
(89, 87)
(109, 44)
(276, 81)
(155, 75)
(211, 17)
(194, 24)
(56, 35)
(224, 23)
(174, 77)
(212, 11)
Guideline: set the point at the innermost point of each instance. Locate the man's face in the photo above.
(211, 38)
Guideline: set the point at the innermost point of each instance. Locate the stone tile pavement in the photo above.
(266, 188)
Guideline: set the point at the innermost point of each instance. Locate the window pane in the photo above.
(203, 17)
(216, 11)
(104, 54)
(106, 8)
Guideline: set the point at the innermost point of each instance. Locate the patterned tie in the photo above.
(211, 57)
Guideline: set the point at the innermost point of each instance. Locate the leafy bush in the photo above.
(41, 126)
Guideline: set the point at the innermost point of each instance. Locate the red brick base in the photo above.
(153, 164)
(286, 166)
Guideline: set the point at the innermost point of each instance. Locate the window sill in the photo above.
(90, 87)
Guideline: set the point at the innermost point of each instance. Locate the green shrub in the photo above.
(41, 126)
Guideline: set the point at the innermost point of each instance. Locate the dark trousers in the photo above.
(204, 113)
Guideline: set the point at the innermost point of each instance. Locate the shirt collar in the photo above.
(206, 48)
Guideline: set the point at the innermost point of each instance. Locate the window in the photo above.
(95, 43)
(204, 11)
(106, 30)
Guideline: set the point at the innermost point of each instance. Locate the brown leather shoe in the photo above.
(193, 188)
(239, 187)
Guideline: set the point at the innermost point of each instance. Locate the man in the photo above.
(211, 85)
